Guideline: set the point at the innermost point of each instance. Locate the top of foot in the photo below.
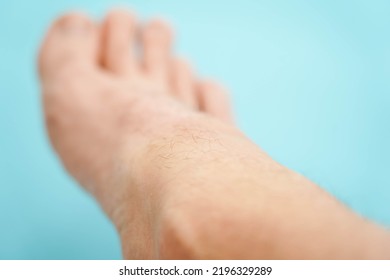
(113, 82)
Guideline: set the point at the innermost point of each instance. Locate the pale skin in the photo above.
(158, 149)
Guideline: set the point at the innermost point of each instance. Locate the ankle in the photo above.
(139, 207)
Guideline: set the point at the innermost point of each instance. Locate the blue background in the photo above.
(310, 82)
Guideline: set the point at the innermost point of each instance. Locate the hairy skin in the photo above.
(225, 198)
(157, 149)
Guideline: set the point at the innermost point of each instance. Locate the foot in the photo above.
(143, 136)
(104, 102)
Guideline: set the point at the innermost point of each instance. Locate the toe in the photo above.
(183, 85)
(73, 39)
(156, 42)
(213, 99)
(119, 29)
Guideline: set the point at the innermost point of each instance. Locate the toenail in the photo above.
(75, 25)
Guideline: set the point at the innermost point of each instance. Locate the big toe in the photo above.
(72, 39)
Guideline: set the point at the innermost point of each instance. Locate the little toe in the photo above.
(119, 29)
(156, 41)
(214, 99)
(183, 84)
(73, 39)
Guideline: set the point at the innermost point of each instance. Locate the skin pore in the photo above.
(157, 148)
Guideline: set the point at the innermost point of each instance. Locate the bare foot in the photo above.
(146, 139)
(104, 103)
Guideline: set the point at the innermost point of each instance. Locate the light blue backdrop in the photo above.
(310, 82)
